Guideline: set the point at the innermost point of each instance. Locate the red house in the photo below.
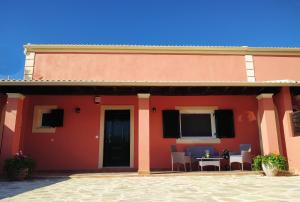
(90, 107)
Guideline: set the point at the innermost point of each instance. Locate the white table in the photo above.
(212, 161)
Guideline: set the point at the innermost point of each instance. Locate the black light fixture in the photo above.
(153, 109)
(77, 109)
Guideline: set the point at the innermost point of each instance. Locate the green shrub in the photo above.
(257, 163)
(14, 165)
(275, 160)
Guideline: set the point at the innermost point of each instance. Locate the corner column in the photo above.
(287, 109)
(290, 142)
(12, 125)
(144, 134)
(268, 124)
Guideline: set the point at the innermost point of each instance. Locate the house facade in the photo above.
(97, 107)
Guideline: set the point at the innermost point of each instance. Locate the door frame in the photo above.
(103, 108)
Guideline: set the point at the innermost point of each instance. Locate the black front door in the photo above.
(117, 138)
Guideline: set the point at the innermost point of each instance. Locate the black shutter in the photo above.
(224, 123)
(58, 117)
(171, 123)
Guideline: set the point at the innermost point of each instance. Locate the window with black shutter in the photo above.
(224, 123)
(55, 118)
(171, 128)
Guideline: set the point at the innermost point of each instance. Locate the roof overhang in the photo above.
(276, 83)
(134, 87)
(224, 50)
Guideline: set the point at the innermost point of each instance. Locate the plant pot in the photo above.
(269, 169)
(22, 175)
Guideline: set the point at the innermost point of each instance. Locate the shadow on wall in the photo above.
(13, 188)
(8, 146)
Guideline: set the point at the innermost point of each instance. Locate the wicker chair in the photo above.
(180, 158)
(244, 156)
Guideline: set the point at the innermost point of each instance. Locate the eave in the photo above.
(167, 88)
(136, 49)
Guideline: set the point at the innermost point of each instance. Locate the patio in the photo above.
(154, 188)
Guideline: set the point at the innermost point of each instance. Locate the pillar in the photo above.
(287, 109)
(12, 125)
(144, 134)
(268, 124)
(292, 143)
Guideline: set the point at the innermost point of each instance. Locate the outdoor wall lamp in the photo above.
(77, 109)
(153, 109)
(97, 99)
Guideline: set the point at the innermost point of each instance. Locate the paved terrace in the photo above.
(153, 188)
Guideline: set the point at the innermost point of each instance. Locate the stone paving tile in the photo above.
(167, 188)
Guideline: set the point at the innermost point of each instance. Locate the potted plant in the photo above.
(19, 167)
(271, 164)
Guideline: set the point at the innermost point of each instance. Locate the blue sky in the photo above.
(150, 22)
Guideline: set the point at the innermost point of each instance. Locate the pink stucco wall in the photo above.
(154, 67)
(246, 129)
(291, 142)
(74, 146)
(276, 67)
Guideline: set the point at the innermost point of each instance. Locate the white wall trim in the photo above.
(250, 68)
(101, 139)
(29, 65)
(199, 110)
(264, 95)
(143, 95)
(198, 140)
(15, 95)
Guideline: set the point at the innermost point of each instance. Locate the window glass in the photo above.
(196, 125)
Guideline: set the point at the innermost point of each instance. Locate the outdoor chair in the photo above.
(180, 158)
(244, 156)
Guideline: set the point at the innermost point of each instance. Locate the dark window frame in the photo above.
(199, 111)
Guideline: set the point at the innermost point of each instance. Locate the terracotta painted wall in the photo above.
(163, 67)
(276, 67)
(246, 128)
(74, 146)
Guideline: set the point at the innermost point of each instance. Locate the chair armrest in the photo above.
(245, 153)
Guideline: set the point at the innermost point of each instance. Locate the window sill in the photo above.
(195, 140)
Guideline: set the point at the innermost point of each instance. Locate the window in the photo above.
(197, 123)
(39, 117)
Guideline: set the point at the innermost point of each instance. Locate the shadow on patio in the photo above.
(13, 188)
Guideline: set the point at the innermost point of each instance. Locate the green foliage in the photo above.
(257, 163)
(14, 165)
(275, 160)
